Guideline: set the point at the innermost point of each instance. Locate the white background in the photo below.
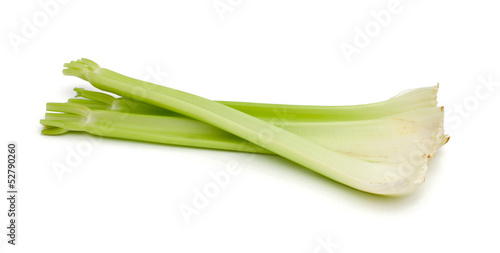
(125, 196)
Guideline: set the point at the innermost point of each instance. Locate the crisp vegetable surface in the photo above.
(381, 148)
(348, 137)
(404, 102)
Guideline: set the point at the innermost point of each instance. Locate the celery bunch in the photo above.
(381, 148)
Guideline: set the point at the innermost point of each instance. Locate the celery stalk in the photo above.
(386, 179)
(148, 128)
(347, 137)
(405, 101)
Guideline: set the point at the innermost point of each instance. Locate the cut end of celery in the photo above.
(69, 108)
(49, 130)
(80, 68)
(92, 104)
(94, 95)
(70, 117)
(53, 127)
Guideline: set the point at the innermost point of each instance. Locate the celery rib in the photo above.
(405, 101)
(385, 179)
(347, 137)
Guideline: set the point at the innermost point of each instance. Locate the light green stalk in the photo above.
(390, 137)
(148, 128)
(387, 179)
(405, 101)
(287, 116)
